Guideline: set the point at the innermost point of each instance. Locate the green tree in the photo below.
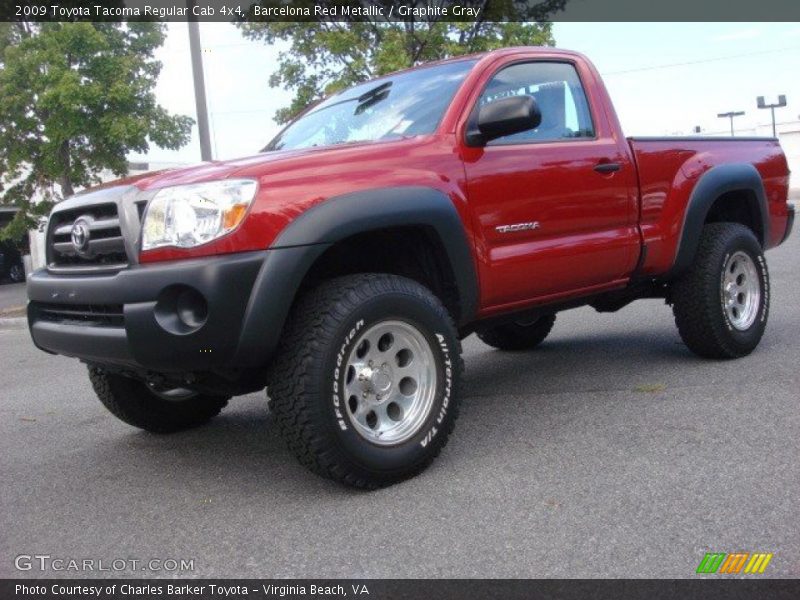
(324, 57)
(75, 99)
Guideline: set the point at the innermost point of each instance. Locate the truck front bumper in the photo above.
(167, 317)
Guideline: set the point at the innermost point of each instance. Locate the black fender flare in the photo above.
(305, 239)
(711, 185)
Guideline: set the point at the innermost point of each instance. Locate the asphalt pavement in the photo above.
(610, 451)
(12, 295)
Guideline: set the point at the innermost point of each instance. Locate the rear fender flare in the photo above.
(711, 185)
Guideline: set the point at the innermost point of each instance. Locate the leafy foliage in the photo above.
(325, 57)
(75, 99)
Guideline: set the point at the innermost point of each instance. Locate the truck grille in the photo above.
(86, 237)
(99, 315)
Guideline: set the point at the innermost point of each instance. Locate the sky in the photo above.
(664, 79)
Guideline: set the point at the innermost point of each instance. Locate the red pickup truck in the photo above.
(340, 267)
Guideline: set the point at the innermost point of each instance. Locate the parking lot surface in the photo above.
(610, 451)
(12, 295)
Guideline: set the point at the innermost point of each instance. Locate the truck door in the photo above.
(556, 207)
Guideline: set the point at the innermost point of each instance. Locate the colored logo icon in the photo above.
(737, 562)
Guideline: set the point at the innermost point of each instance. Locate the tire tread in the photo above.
(293, 398)
(696, 296)
(131, 402)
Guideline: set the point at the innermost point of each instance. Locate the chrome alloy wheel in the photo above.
(390, 382)
(741, 290)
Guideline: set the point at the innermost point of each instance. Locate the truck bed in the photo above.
(669, 168)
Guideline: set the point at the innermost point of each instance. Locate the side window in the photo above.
(558, 92)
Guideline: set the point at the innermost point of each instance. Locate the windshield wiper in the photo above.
(369, 98)
(374, 91)
(372, 97)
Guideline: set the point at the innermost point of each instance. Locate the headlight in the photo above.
(185, 216)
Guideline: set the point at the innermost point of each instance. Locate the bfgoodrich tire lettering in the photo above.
(700, 296)
(308, 381)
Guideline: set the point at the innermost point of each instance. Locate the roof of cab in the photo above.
(480, 56)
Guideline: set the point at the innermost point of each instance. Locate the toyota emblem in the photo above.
(80, 236)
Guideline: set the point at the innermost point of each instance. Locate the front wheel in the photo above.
(152, 408)
(365, 385)
(721, 303)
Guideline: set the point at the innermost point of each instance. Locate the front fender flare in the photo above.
(304, 240)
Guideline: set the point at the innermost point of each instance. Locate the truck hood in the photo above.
(258, 163)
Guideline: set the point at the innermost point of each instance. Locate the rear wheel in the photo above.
(153, 408)
(518, 335)
(365, 385)
(721, 303)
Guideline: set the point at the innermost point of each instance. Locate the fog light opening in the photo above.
(191, 308)
(181, 310)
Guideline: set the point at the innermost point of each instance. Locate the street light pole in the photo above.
(780, 104)
(199, 83)
(730, 115)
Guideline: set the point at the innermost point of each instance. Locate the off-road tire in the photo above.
(134, 403)
(517, 335)
(698, 294)
(307, 380)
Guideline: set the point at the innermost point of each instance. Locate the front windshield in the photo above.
(402, 105)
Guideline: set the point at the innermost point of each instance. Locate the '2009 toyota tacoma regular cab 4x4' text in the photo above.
(340, 267)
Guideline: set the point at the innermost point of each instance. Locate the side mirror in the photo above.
(504, 117)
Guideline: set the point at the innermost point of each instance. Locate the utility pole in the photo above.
(730, 115)
(780, 104)
(199, 83)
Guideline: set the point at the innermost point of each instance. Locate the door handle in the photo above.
(607, 167)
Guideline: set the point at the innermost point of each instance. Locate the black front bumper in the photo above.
(131, 318)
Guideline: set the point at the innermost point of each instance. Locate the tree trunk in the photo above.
(65, 180)
(66, 187)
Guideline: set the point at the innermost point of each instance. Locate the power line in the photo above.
(701, 61)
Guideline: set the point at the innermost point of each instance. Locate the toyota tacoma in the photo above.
(340, 267)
